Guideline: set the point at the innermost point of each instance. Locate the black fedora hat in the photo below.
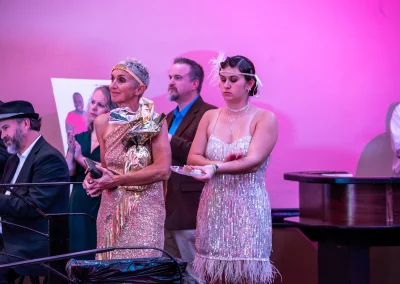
(17, 109)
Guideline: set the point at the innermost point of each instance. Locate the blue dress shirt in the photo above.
(179, 115)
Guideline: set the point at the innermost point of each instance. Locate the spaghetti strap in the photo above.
(212, 132)
(254, 116)
(253, 119)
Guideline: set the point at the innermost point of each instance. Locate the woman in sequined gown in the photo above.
(132, 209)
(232, 147)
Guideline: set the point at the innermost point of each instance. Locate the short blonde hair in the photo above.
(139, 69)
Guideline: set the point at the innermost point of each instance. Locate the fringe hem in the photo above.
(234, 271)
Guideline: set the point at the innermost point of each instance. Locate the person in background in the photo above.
(395, 139)
(232, 147)
(76, 119)
(82, 229)
(185, 81)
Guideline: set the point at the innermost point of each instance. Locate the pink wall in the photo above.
(330, 68)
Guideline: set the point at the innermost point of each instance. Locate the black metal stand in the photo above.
(58, 244)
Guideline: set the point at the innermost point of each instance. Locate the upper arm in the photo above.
(200, 140)
(161, 147)
(100, 125)
(264, 137)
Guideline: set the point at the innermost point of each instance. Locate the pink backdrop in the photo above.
(330, 68)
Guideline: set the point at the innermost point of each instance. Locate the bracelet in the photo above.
(215, 167)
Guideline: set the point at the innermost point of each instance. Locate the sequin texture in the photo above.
(129, 216)
(234, 228)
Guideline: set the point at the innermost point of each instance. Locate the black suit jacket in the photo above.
(3, 157)
(43, 164)
(184, 192)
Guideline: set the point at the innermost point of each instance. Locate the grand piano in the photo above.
(347, 215)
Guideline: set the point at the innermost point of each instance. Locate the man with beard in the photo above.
(33, 160)
(183, 195)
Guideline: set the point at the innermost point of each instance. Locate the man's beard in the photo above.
(16, 142)
(173, 96)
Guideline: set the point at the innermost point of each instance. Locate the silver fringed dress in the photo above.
(234, 234)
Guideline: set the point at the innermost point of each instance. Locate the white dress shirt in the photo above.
(22, 157)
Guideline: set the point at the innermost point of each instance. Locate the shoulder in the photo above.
(170, 113)
(396, 112)
(47, 152)
(205, 108)
(45, 148)
(265, 117)
(208, 106)
(82, 136)
(265, 114)
(101, 120)
(204, 105)
(70, 114)
(211, 113)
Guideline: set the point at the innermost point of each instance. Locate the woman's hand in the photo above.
(233, 156)
(71, 141)
(208, 172)
(78, 151)
(78, 157)
(94, 187)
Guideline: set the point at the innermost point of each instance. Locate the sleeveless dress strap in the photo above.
(254, 116)
(212, 132)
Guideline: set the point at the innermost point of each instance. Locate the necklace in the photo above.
(240, 109)
(231, 119)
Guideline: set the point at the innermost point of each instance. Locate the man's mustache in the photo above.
(6, 139)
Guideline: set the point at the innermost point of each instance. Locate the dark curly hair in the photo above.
(245, 66)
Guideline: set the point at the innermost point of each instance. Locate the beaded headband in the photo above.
(126, 69)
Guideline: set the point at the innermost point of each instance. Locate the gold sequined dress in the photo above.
(234, 228)
(129, 216)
